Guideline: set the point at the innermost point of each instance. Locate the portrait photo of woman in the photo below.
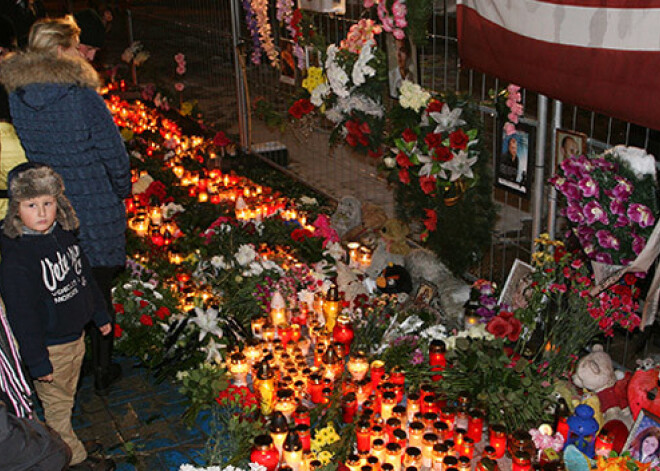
(402, 63)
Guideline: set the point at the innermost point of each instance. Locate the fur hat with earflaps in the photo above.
(30, 180)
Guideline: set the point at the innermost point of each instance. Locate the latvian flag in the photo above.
(603, 55)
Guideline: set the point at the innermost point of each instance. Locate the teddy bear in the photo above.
(595, 373)
(368, 232)
(391, 248)
(347, 215)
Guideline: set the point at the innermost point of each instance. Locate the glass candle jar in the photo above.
(399, 411)
(358, 366)
(292, 451)
(373, 462)
(520, 440)
(449, 462)
(467, 448)
(315, 388)
(348, 407)
(440, 429)
(393, 454)
(301, 415)
(265, 453)
(305, 436)
(439, 454)
(353, 462)
(412, 406)
(377, 373)
(497, 439)
(378, 449)
(412, 457)
(343, 334)
(429, 419)
(378, 432)
(475, 424)
(400, 436)
(390, 426)
(428, 404)
(363, 432)
(428, 440)
(521, 461)
(387, 404)
(464, 463)
(416, 431)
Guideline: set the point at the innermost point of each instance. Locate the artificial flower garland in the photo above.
(260, 8)
(251, 22)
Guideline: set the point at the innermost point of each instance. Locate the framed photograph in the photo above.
(287, 62)
(515, 159)
(644, 439)
(401, 63)
(425, 294)
(514, 293)
(312, 57)
(569, 144)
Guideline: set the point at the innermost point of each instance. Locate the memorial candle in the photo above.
(264, 453)
(363, 432)
(497, 439)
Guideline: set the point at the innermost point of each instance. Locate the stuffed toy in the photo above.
(595, 373)
(347, 216)
(349, 283)
(644, 392)
(368, 232)
(391, 248)
(394, 279)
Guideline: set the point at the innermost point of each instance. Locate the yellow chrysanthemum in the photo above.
(187, 107)
(324, 457)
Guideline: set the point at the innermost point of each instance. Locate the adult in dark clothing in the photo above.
(23, 14)
(27, 444)
(64, 123)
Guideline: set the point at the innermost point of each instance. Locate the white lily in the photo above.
(447, 119)
(207, 321)
(460, 165)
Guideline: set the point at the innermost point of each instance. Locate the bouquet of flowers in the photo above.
(352, 95)
(611, 202)
(441, 172)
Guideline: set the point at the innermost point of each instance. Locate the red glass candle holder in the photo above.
(377, 372)
(497, 439)
(348, 407)
(315, 388)
(301, 416)
(363, 432)
(265, 453)
(476, 425)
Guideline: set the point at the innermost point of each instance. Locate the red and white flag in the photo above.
(603, 55)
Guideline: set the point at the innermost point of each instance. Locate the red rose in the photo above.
(220, 140)
(499, 327)
(403, 160)
(442, 154)
(427, 184)
(364, 127)
(143, 303)
(630, 279)
(306, 105)
(435, 106)
(363, 140)
(296, 111)
(118, 331)
(516, 328)
(119, 308)
(300, 234)
(146, 320)
(162, 313)
(351, 140)
(458, 140)
(433, 140)
(409, 135)
(404, 177)
(431, 221)
(138, 293)
(375, 155)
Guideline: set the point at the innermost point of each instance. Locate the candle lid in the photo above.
(292, 442)
(430, 437)
(450, 461)
(413, 451)
(278, 423)
(263, 442)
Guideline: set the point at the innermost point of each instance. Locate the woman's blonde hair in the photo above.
(48, 34)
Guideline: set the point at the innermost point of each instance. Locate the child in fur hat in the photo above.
(50, 294)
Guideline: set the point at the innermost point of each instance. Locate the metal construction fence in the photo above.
(218, 70)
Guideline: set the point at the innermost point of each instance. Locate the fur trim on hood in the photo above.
(30, 180)
(27, 68)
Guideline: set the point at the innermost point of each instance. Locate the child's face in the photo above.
(38, 214)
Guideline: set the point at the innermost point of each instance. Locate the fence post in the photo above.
(552, 197)
(537, 207)
(241, 102)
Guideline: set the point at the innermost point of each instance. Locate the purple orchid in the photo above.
(570, 190)
(574, 213)
(638, 243)
(589, 187)
(607, 240)
(617, 207)
(622, 221)
(623, 188)
(641, 214)
(594, 212)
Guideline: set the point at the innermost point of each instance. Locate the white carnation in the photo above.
(413, 96)
(218, 261)
(245, 254)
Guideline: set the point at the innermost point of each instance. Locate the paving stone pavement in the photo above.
(140, 422)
